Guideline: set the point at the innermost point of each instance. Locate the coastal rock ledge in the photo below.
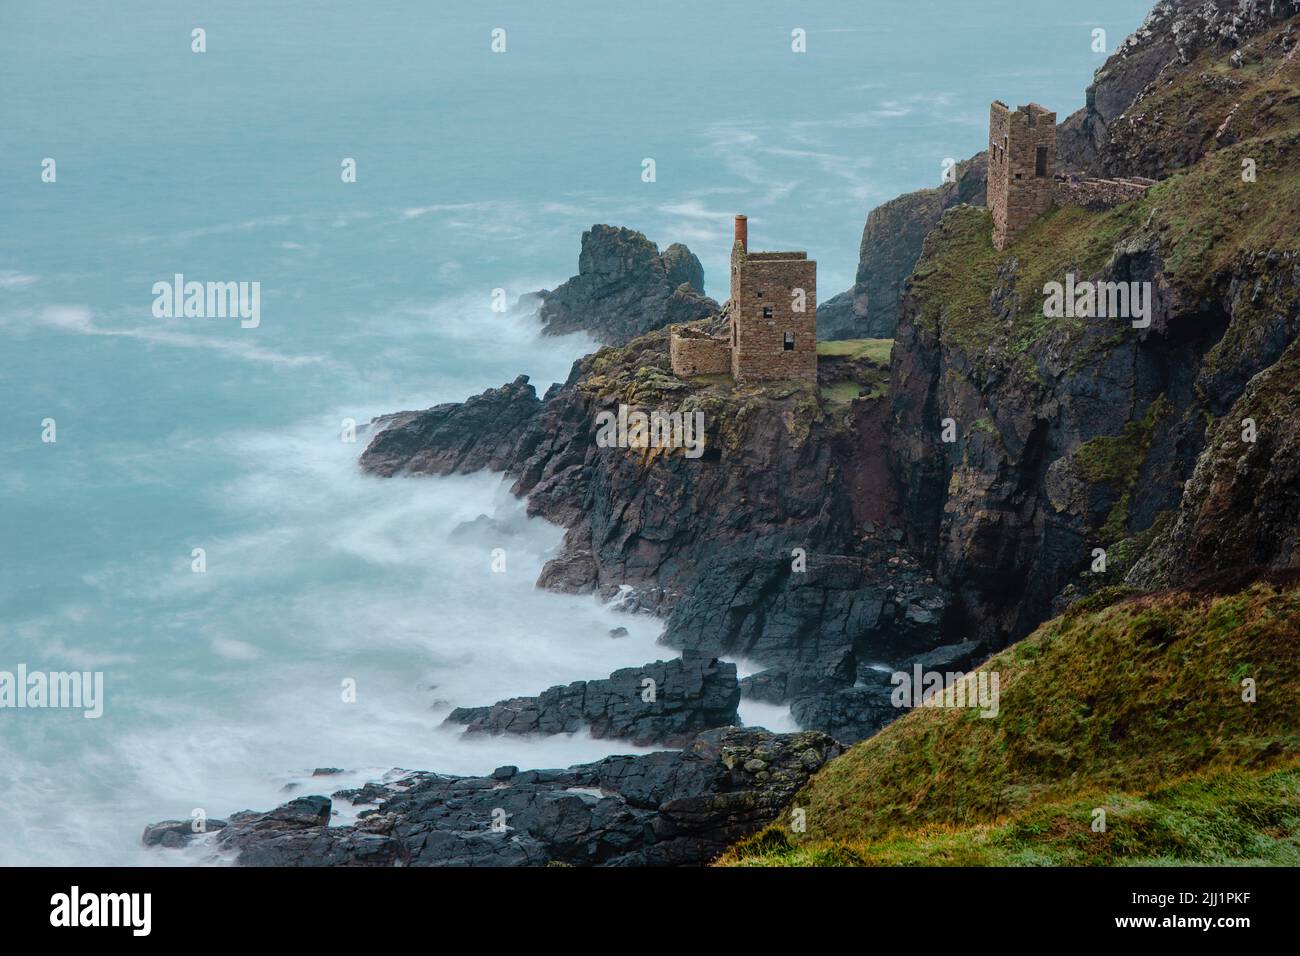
(684, 696)
(667, 808)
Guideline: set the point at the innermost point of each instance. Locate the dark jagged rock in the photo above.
(1127, 128)
(849, 714)
(891, 244)
(962, 656)
(298, 833)
(625, 288)
(776, 685)
(690, 694)
(710, 542)
(1241, 506)
(834, 704)
(482, 432)
(669, 808)
(174, 834)
(485, 531)
(300, 814)
(813, 625)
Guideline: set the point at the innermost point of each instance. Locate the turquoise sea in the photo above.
(475, 171)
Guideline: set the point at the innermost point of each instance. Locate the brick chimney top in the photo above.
(742, 232)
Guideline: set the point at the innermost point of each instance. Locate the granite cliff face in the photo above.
(625, 288)
(1073, 437)
(1241, 506)
(780, 543)
(1132, 125)
(891, 244)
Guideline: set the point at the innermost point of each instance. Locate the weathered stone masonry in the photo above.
(773, 320)
(698, 353)
(1023, 182)
(1098, 194)
(1022, 167)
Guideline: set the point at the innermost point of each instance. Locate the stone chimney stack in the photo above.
(742, 232)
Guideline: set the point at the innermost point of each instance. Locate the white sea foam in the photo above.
(774, 717)
(346, 577)
(222, 686)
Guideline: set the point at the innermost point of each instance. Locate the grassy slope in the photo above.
(854, 368)
(1216, 819)
(1136, 708)
(875, 349)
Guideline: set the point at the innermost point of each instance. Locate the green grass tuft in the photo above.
(1135, 707)
(875, 349)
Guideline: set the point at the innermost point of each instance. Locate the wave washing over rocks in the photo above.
(920, 552)
(677, 807)
(685, 557)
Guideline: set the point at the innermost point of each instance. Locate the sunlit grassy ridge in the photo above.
(1137, 707)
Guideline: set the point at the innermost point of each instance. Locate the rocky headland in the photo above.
(1008, 474)
(782, 544)
(624, 288)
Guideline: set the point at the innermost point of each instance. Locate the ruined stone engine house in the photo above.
(1023, 182)
(772, 315)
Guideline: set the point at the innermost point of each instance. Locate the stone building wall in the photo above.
(1022, 168)
(773, 320)
(1098, 194)
(763, 311)
(697, 353)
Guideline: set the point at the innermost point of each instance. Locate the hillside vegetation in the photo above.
(1136, 708)
(1202, 220)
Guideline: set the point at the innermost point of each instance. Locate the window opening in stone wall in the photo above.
(789, 341)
